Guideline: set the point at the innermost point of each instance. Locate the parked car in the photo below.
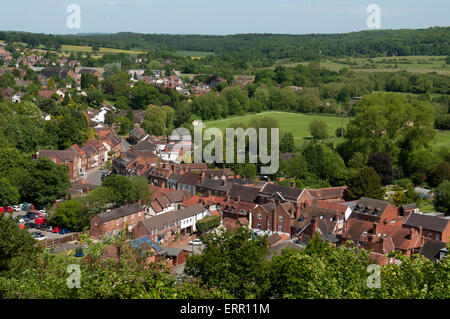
(8, 209)
(64, 231)
(26, 218)
(41, 237)
(196, 242)
(16, 208)
(55, 229)
(36, 233)
(30, 225)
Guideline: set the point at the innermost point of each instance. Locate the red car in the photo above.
(8, 209)
(55, 229)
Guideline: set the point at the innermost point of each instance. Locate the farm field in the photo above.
(80, 48)
(414, 64)
(298, 125)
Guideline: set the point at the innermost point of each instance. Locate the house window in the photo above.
(429, 235)
(105, 225)
(259, 226)
(117, 222)
(132, 216)
(125, 219)
(139, 214)
(280, 219)
(280, 228)
(438, 237)
(259, 216)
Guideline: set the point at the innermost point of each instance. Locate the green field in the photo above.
(414, 64)
(442, 138)
(194, 54)
(298, 125)
(81, 48)
(295, 123)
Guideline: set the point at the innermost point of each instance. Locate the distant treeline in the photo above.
(431, 41)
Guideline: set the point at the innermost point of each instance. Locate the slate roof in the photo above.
(433, 223)
(287, 192)
(409, 206)
(170, 251)
(169, 218)
(431, 249)
(370, 206)
(214, 184)
(120, 212)
(246, 193)
(63, 156)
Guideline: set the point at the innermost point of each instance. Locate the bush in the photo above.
(207, 223)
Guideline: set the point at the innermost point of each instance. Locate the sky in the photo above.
(220, 16)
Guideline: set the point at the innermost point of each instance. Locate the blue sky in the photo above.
(220, 17)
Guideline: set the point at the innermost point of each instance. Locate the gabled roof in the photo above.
(120, 212)
(189, 178)
(158, 222)
(63, 156)
(328, 193)
(287, 192)
(370, 206)
(433, 223)
(431, 249)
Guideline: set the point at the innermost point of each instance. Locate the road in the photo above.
(94, 175)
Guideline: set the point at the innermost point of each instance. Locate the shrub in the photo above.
(207, 223)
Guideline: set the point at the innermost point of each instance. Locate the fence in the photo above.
(58, 241)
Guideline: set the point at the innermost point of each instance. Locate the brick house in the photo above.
(327, 222)
(113, 221)
(300, 198)
(68, 158)
(273, 217)
(188, 181)
(163, 228)
(375, 210)
(382, 239)
(434, 227)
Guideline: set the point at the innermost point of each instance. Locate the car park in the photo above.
(64, 231)
(41, 237)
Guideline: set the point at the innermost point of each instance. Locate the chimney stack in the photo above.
(293, 184)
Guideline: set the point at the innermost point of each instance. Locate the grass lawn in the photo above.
(442, 138)
(298, 125)
(426, 206)
(295, 123)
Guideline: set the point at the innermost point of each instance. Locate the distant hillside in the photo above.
(431, 41)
